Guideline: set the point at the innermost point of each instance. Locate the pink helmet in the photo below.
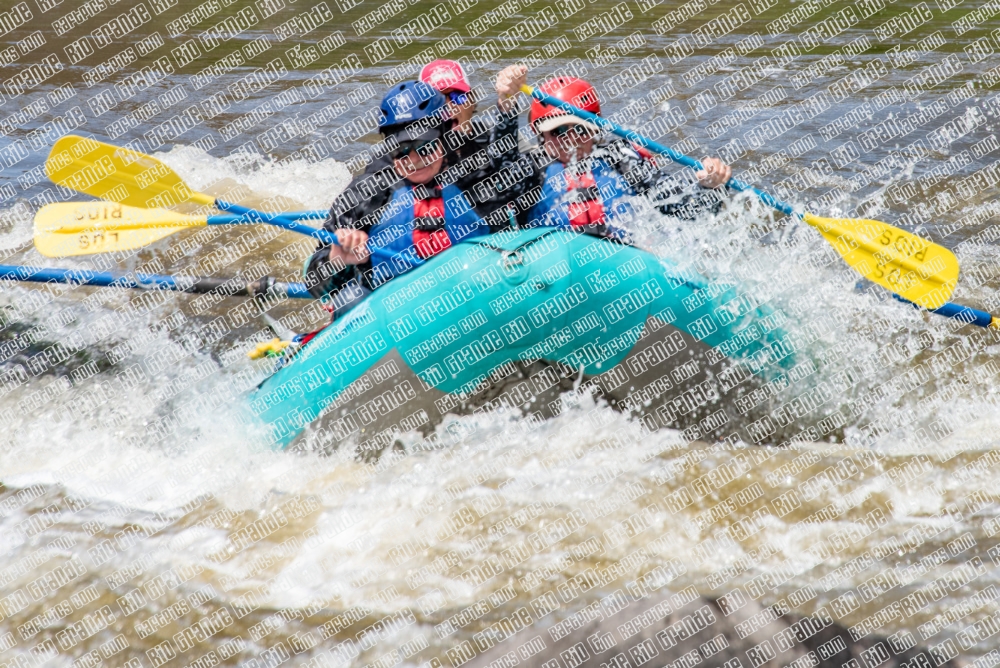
(445, 75)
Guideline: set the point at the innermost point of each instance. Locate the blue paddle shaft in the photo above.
(638, 139)
(234, 219)
(226, 219)
(281, 220)
(254, 216)
(306, 215)
(956, 311)
(136, 281)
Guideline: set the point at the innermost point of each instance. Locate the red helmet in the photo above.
(577, 92)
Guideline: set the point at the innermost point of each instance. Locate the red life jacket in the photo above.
(429, 235)
(586, 208)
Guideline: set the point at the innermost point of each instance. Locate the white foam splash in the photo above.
(314, 185)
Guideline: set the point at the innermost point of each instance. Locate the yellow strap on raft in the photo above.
(273, 348)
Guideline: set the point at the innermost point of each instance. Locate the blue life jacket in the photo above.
(570, 201)
(395, 230)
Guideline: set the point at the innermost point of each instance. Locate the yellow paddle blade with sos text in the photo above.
(913, 268)
(87, 228)
(117, 174)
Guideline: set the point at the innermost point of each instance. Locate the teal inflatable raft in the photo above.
(512, 320)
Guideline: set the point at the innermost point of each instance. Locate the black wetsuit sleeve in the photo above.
(355, 208)
(468, 156)
(665, 191)
(516, 177)
(487, 167)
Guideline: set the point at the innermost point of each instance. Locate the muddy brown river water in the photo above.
(139, 526)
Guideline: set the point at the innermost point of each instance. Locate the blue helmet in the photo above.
(409, 102)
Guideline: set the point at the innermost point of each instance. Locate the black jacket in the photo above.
(470, 158)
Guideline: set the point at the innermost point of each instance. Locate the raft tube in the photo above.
(512, 320)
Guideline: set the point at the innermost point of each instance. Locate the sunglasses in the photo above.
(458, 98)
(423, 148)
(572, 128)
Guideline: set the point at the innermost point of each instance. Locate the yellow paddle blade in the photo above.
(86, 228)
(117, 174)
(913, 268)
